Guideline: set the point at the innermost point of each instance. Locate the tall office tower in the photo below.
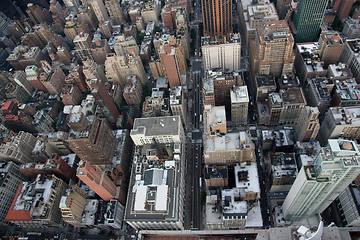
(9, 171)
(115, 11)
(98, 181)
(104, 101)
(317, 185)
(16, 28)
(54, 82)
(100, 11)
(64, 55)
(342, 8)
(19, 149)
(93, 70)
(239, 105)
(72, 205)
(72, 4)
(217, 18)
(38, 15)
(272, 51)
(308, 127)
(83, 43)
(20, 78)
(178, 104)
(97, 145)
(225, 56)
(308, 19)
(36, 203)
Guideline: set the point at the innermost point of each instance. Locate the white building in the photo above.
(317, 185)
(225, 56)
(178, 104)
(239, 104)
(161, 129)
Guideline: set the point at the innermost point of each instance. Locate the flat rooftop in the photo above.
(293, 96)
(230, 141)
(247, 178)
(239, 95)
(168, 125)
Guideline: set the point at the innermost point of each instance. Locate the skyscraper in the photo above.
(100, 11)
(217, 17)
(317, 185)
(307, 20)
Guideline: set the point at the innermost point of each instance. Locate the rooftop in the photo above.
(239, 94)
(354, 45)
(347, 90)
(153, 126)
(339, 70)
(246, 177)
(229, 142)
(175, 95)
(293, 96)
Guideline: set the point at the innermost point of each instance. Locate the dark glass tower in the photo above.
(308, 19)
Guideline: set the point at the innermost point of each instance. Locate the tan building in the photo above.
(100, 11)
(55, 81)
(96, 144)
(239, 105)
(115, 11)
(214, 120)
(133, 91)
(123, 44)
(118, 68)
(258, 15)
(216, 176)
(272, 51)
(308, 125)
(229, 148)
(150, 12)
(83, 43)
(72, 205)
(92, 70)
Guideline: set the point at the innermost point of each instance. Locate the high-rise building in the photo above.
(96, 145)
(133, 91)
(38, 14)
(217, 18)
(98, 181)
(83, 43)
(20, 79)
(72, 205)
(340, 122)
(225, 56)
(9, 171)
(239, 105)
(55, 81)
(342, 8)
(178, 104)
(105, 102)
(115, 11)
(19, 149)
(308, 19)
(272, 51)
(100, 10)
(308, 127)
(317, 185)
